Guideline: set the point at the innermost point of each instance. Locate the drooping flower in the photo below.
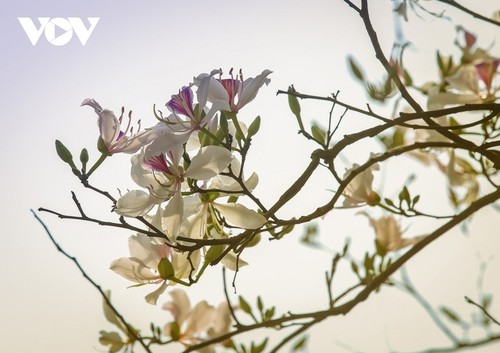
(226, 90)
(142, 265)
(113, 138)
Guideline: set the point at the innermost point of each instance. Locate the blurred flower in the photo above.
(359, 191)
(193, 325)
(388, 233)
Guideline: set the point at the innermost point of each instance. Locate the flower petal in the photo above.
(109, 126)
(152, 297)
(133, 270)
(251, 86)
(209, 162)
(239, 216)
(134, 203)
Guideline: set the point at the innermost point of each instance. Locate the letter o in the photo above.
(50, 31)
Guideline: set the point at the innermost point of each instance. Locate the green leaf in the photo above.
(381, 251)
(300, 344)
(214, 252)
(166, 269)
(245, 306)
(356, 71)
(101, 146)
(260, 304)
(175, 331)
(254, 127)
(268, 315)
(355, 267)
(415, 200)
(258, 348)
(389, 202)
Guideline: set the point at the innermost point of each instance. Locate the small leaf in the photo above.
(213, 253)
(259, 348)
(269, 313)
(300, 344)
(245, 306)
(166, 269)
(381, 251)
(389, 202)
(415, 200)
(260, 305)
(355, 267)
(356, 71)
(175, 331)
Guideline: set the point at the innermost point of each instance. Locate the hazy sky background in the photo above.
(139, 54)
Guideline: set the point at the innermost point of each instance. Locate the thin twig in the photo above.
(130, 330)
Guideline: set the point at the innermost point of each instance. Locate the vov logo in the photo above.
(58, 30)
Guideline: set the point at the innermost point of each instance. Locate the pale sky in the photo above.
(141, 53)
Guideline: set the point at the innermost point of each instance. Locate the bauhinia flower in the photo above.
(359, 191)
(138, 202)
(226, 90)
(142, 265)
(114, 140)
(193, 325)
(206, 164)
(389, 234)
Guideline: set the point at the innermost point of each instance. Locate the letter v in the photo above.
(29, 27)
(83, 33)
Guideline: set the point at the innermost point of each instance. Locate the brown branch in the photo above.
(456, 5)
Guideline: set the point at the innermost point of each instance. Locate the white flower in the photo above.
(138, 202)
(142, 265)
(389, 235)
(226, 90)
(359, 191)
(206, 164)
(193, 325)
(113, 138)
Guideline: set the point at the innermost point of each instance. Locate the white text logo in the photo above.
(58, 31)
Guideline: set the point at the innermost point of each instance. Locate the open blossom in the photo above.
(206, 164)
(114, 139)
(359, 191)
(139, 202)
(142, 265)
(193, 325)
(226, 90)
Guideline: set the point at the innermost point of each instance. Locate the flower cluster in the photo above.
(186, 168)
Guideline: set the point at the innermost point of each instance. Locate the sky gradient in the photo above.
(141, 53)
